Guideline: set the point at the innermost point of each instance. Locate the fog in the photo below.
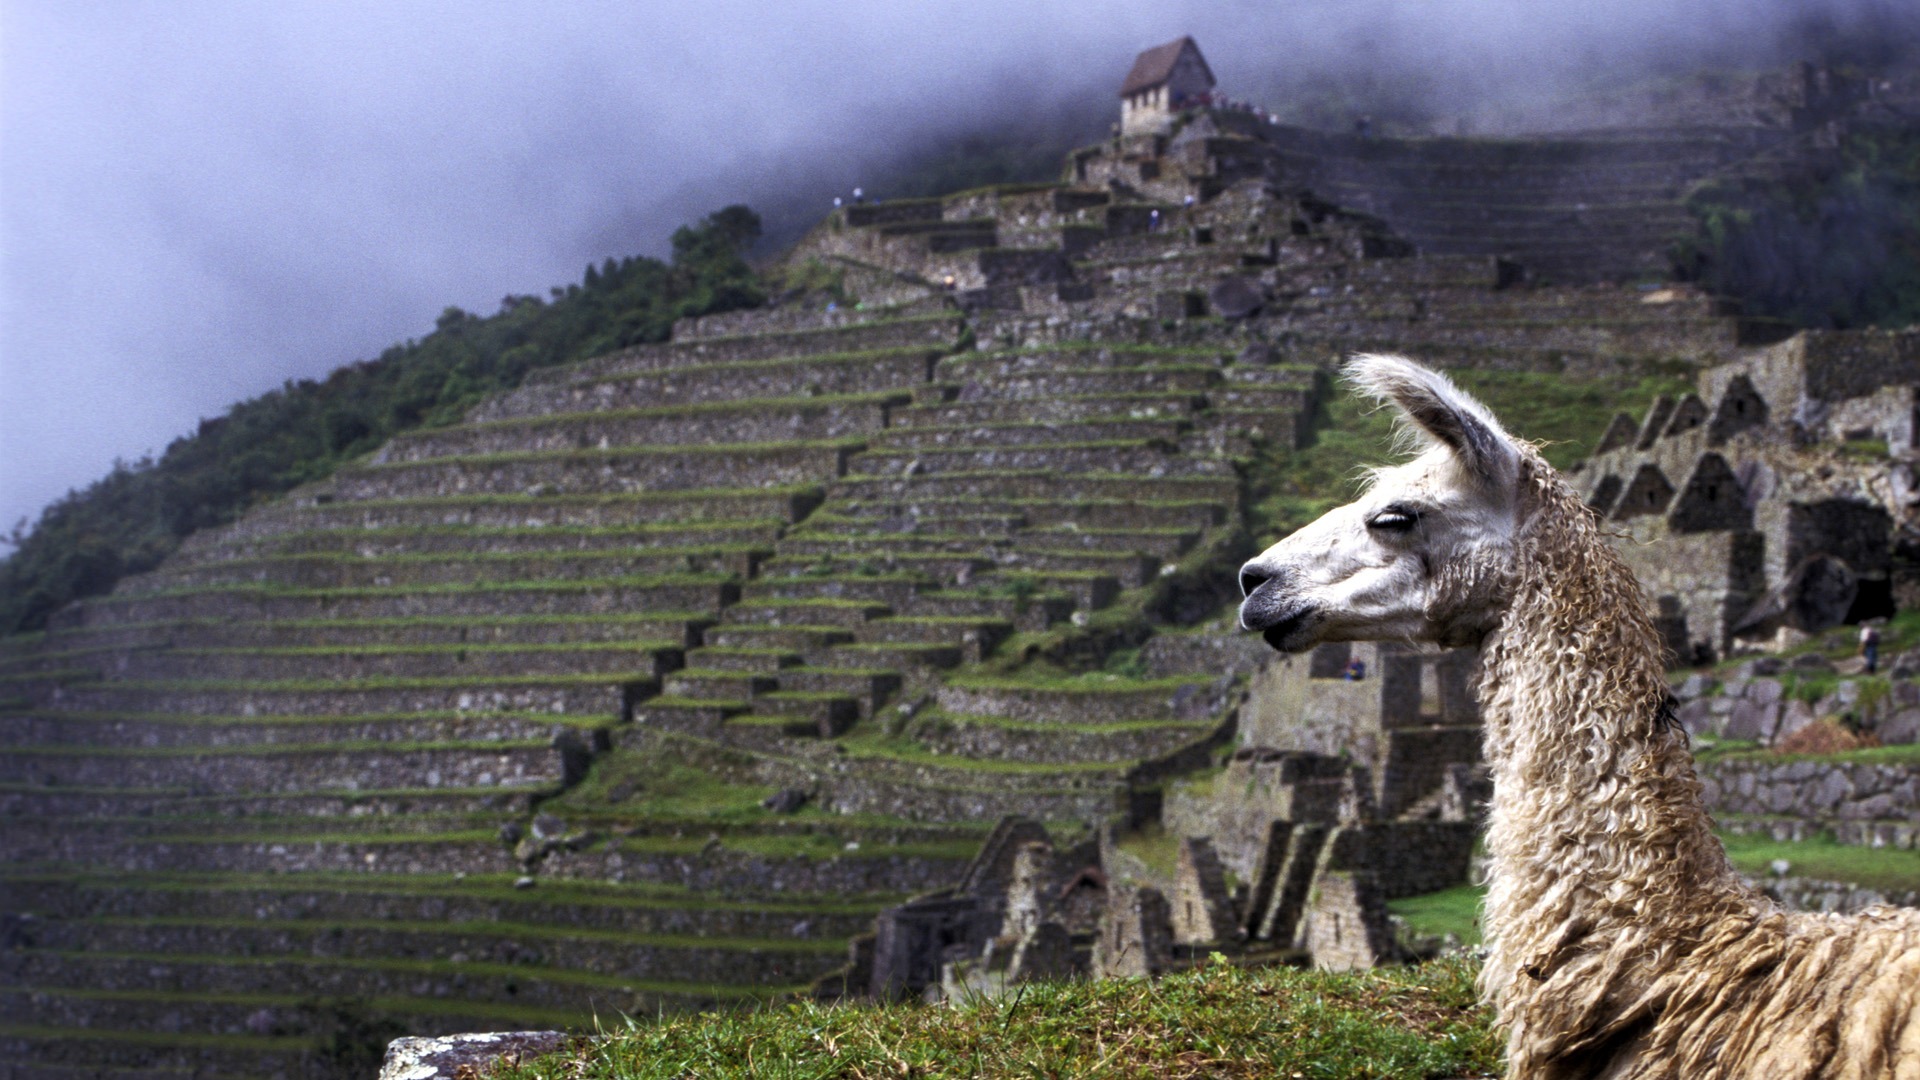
(200, 201)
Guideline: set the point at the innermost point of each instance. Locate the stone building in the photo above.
(1357, 782)
(1164, 80)
(1772, 501)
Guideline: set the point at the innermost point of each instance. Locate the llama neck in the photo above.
(1597, 828)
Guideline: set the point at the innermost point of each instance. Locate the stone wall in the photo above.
(1838, 897)
(1753, 701)
(1820, 791)
(1760, 506)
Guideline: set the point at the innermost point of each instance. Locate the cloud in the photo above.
(198, 202)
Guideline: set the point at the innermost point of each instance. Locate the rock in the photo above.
(1697, 716)
(1810, 662)
(1764, 691)
(1761, 665)
(1794, 716)
(511, 832)
(1235, 298)
(1693, 686)
(785, 801)
(1830, 792)
(450, 1056)
(1901, 728)
(1819, 592)
(1780, 867)
(1751, 720)
(523, 882)
(548, 827)
(1875, 806)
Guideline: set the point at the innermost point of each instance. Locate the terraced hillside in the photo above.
(1579, 208)
(650, 683)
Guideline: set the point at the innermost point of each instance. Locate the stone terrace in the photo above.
(649, 683)
(362, 693)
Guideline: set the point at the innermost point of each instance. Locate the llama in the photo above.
(1620, 941)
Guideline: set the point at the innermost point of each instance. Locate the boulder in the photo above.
(1697, 716)
(1752, 720)
(1793, 716)
(1900, 729)
(449, 1057)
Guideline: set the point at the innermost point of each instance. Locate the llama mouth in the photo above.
(1288, 632)
(1292, 634)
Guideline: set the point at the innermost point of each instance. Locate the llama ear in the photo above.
(1438, 411)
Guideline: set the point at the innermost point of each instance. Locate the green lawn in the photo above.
(1828, 860)
(1453, 911)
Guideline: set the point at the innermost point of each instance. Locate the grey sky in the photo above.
(201, 200)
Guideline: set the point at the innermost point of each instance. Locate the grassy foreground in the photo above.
(1216, 1021)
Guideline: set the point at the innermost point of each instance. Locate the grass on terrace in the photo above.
(1568, 414)
(492, 888)
(1887, 869)
(1456, 911)
(1215, 1021)
(1742, 749)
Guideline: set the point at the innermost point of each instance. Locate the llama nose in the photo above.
(1251, 579)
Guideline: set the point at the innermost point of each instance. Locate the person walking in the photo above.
(1870, 646)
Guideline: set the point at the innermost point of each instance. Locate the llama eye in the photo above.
(1394, 519)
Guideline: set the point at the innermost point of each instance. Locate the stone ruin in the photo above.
(808, 521)
(1289, 855)
(1781, 498)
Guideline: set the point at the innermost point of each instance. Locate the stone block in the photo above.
(1698, 717)
(1752, 720)
(1901, 728)
(1794, 715)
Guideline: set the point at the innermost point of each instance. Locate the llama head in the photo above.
(1424, 554)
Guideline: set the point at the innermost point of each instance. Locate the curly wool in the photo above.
(1621, 942)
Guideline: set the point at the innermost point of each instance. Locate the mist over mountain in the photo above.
(198, 204)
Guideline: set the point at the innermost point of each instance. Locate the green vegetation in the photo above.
(1827, 859)
(1833, 243)
(134, 517)
(1456, 911)
(1293, 487)
(483, 969)
(1453, 911)
(492, 887)
(478, 928)
(1216, 1021)
(1908, 753)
